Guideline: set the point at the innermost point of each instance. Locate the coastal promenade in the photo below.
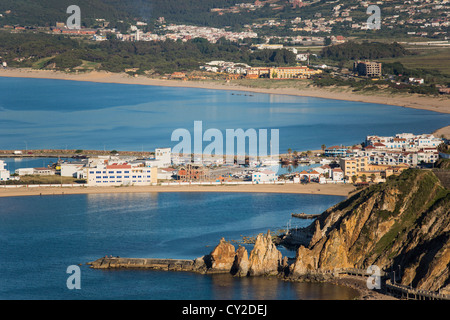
(288, 187)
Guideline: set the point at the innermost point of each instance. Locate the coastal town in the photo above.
(416, 18)
(373, 161)
(351, 203)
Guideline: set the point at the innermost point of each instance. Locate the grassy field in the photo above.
(436, 58)
(54, 179)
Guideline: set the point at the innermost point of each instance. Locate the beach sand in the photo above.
(312, 188)
(438, 104)
(445, 131)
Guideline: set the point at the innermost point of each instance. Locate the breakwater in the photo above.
(144, 263)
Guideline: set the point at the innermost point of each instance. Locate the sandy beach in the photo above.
(445, 131)
(437, 104)
(327, 189)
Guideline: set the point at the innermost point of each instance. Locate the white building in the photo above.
(117, 175)
(73, 169)
(163, 158)
(167, 174)
(265, 176)
(4, 174)
(25, 171)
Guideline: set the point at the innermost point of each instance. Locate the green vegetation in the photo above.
(64, 53)
(365, 50)
(53, 179)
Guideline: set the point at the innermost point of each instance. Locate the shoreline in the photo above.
(314, 189)
(414, 101)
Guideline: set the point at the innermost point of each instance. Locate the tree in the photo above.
(323, 147)
(363, 178)
(372, 177)
(354, 178)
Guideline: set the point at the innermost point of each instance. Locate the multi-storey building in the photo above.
(367, 68)
(124, 174)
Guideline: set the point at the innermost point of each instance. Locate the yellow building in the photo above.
(351, 166)
(360, 167)
(282, 73)
(292, 73)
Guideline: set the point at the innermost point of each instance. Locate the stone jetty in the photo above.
(264, 259)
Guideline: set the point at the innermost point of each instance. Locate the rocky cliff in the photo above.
(402, 226)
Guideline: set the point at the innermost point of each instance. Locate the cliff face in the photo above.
(402, 225)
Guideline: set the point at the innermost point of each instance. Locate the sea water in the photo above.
(41, 236)
(59, 114)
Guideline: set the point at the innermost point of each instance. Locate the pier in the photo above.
(142, 263)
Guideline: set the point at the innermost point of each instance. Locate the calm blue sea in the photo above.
(41, 236)
(57, 114)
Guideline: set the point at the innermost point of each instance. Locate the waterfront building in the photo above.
(351, 166)
(265, 176)
(163, 158)
(4, 173)
(123, 174)
(73, 169)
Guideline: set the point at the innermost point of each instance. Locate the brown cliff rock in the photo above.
(265, 259)
(241, 263)
(402, 225)
(222, 257)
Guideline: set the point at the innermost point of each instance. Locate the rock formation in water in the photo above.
(241, 263)
(265, 259)
(402, 226)
(222, 257)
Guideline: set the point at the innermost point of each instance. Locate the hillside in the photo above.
(402, 225)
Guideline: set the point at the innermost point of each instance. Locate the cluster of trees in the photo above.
(366, 50)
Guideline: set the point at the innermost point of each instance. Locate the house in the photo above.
(178, 75)
(72, 169)
(166, 173)
(265, 176)
(43, 171)
(337, 174)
